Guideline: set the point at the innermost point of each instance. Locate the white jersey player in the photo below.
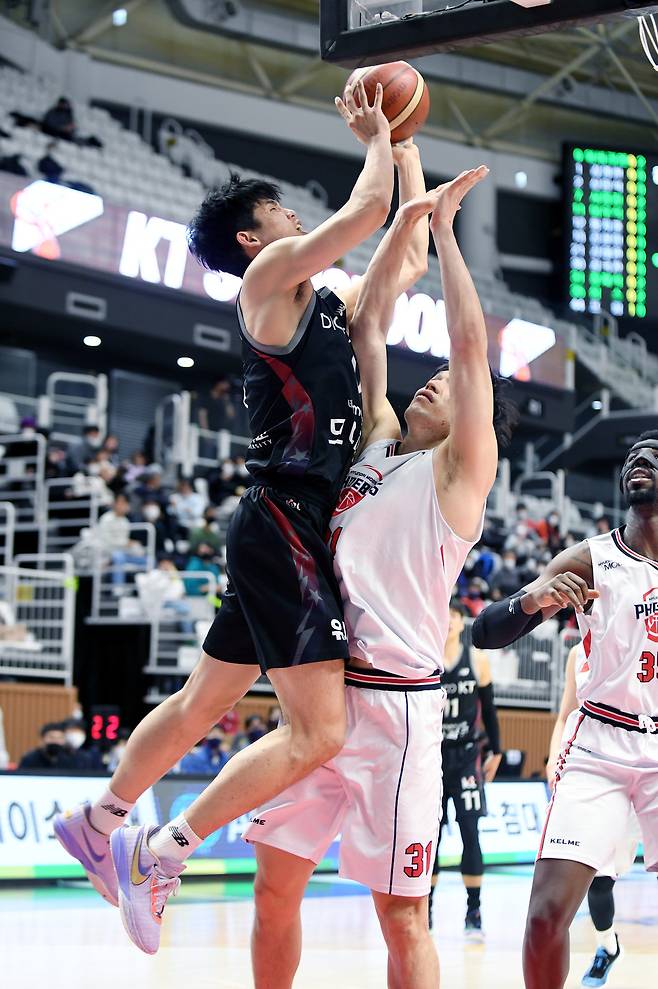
(608, 764)
(409, 512)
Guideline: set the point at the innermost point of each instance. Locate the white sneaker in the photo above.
(145, 884)
(91, 849)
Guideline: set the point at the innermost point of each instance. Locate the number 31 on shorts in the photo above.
(421, 860)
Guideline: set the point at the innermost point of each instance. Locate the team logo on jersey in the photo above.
(361, 481)
(649, 611)
(609, 565)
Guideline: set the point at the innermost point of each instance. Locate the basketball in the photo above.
(406, 99)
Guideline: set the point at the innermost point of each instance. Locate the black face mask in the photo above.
(646, 450)
(255, 734)
(53, 749)
(213, 744)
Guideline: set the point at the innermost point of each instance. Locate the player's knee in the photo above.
(404, 922)
(318, 744)
(275, 901)
(547, 918)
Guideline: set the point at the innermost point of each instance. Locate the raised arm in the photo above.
(567, 582)
(465, 465)
(290, 261)
(398, 262)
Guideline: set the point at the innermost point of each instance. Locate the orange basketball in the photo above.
(406, 100)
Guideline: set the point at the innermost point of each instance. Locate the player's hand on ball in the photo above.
(566, 590)
(367, 122)
(448, 197)
(490, 766)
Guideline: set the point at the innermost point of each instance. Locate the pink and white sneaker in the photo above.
(145, 884)
(91, 849)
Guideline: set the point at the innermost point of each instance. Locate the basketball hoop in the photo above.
(649, 38)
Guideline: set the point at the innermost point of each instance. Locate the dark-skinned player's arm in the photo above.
(567, 582)
(290, 261)
(465, 464)
(376, 301)
(568, 704)
(411, 184)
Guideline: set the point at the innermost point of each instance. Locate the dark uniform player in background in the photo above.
(282, 611)
(466, 679)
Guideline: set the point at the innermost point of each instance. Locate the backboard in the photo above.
(365, 32)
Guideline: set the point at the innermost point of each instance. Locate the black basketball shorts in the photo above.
(282, 606)
(462, 781)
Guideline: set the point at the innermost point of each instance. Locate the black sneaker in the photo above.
(597, 973)
(473, 926)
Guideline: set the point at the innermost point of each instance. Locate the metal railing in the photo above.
(499, 502)
(173, 446)
(65, 515)
(22, 468)
(114, 593)
(38, 603)
(73, 402)
(7, 527)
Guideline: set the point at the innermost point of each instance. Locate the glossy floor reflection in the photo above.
(67, 938)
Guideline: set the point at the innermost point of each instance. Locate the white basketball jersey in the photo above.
(620, 634)
(397, 561)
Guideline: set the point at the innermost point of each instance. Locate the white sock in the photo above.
(175, 841)
(607, 940)
(109, 813)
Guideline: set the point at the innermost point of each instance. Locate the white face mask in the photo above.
(151, 513)
(75, 739)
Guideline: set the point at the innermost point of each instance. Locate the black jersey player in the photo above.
(467, 681)
(282, 611)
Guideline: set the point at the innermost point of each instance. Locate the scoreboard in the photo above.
(612, 232)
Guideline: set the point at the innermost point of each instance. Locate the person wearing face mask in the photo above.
(154, 512)
(53, 753)
(84, 450)
(507, 579)
(209, 757)
(254, 728)
(202, 561)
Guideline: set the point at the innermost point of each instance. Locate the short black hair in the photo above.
(456, 605)
(90, 429)
(51, 726)
(506, 414)
(226, 210)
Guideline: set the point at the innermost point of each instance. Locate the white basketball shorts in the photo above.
(382, 793)
(605, 772)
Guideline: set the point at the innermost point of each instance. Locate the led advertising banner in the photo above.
(611, 201)
(28, 803)
(61, 224)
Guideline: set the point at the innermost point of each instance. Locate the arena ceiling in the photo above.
(529, 94)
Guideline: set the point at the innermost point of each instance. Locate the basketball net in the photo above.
(649, 38)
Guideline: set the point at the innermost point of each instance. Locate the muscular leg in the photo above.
(170, 731)
(558, 889)
(276, 939)
(412, 957)
(313, 698)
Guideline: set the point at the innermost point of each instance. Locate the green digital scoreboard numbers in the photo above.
(611, 198)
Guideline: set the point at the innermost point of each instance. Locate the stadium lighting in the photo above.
(597, 405)
(92, 341)
(532, 3)
(119, 16)
(185, 362)
(520, 180)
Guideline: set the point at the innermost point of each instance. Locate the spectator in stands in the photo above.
(603, 525)
(135, 468)
(207, 758)
(113, 757)
(75, 736)
(202, 560)
(230, 722)
(548, 531)
(506, 580)
(110, 449)
(207, 533)
(165, 527)
(48, 165)
(112, 533)
(222, 482)
(58, 121)
(52, 754)
(477, 596)
(82, 452)
(187, 504)
(274, 717)
(151, 487)
(242, 473)
(254, 728)
(56, 462)
(218, 411)
(173, 594)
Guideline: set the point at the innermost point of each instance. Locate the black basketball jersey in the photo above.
(304, 404)
(462, 711)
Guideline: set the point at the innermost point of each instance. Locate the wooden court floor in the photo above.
(67, 938)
